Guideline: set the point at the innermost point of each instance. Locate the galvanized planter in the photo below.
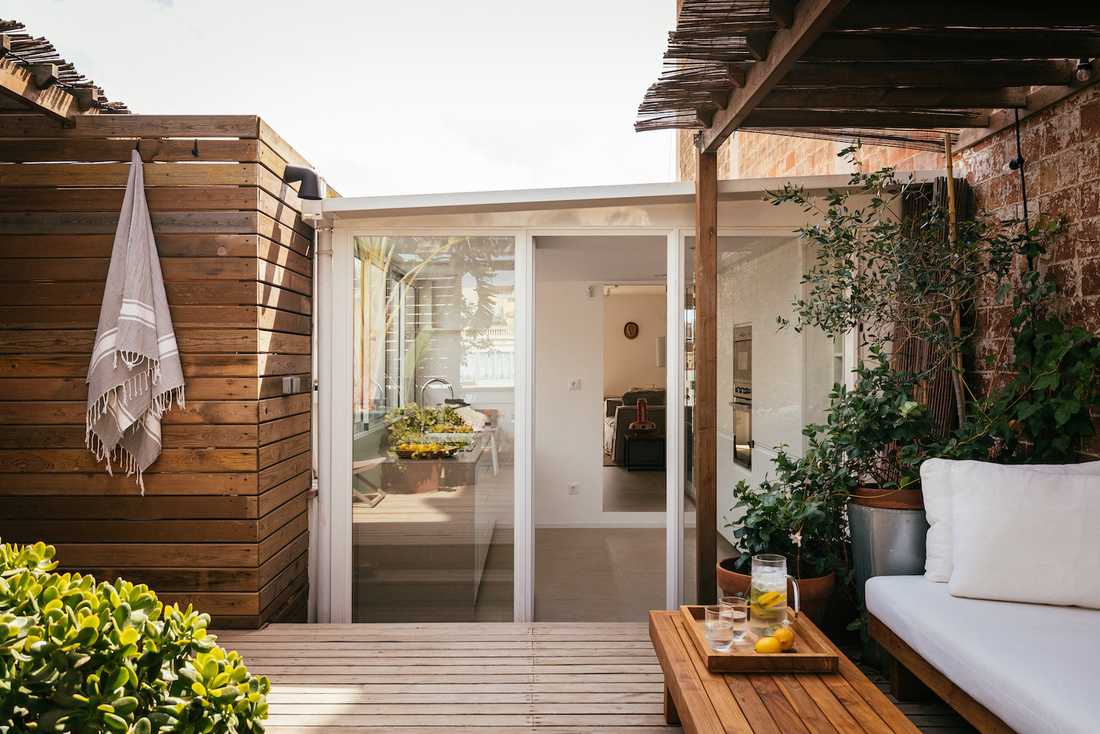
(885, 542)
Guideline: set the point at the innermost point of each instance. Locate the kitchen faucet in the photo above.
(435, 381)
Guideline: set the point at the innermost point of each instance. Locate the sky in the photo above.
(395, 96)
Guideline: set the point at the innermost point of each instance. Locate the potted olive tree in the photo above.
(906, 285)
(888, 269)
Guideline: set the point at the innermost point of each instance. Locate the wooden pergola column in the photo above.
(705, 431)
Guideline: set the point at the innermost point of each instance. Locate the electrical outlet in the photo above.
(574, 488)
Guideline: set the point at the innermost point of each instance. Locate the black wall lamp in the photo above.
(311, 186)
(1083, 73)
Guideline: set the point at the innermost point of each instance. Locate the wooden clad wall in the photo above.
(224, 520)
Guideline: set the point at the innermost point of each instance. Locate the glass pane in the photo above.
(771, 381)
(433, 427)
(690, 567)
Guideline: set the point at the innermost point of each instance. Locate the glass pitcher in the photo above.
(768, 594)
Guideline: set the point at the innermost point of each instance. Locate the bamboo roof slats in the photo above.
(47, 67)
(881, 71)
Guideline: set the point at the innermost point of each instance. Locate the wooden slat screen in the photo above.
(224, 520)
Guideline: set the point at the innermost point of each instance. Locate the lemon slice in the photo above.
(770, 598)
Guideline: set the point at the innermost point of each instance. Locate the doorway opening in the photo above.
(599, 481)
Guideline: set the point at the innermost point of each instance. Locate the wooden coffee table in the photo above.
(711, 703)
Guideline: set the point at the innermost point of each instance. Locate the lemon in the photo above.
(770, 598)
(785, 635)
(768, 645)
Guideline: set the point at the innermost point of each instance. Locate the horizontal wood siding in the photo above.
(223, 523)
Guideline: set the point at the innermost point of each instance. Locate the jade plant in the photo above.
(82, 656)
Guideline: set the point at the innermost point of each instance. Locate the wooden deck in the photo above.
(481, 677)
(418, 678)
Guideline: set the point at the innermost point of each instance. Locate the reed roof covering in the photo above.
(25, 51)
(904, 72)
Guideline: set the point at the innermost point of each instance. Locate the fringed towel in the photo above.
(135, 374)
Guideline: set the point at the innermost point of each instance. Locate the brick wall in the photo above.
(1061, 147)
(760, 155)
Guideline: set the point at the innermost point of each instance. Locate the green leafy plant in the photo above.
(798, 514)
(876, 430)
(77, 656)
(884, 276)
(410, 422)
(1044, 411)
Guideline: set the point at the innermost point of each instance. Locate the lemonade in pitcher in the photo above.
(767, 594)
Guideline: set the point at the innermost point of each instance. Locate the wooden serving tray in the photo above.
(812, 652)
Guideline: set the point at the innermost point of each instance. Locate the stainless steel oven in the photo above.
(742, 396)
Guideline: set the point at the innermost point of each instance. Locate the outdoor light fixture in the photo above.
(1084, 70)
(311, 186)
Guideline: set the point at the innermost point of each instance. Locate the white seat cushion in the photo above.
(1034, 666)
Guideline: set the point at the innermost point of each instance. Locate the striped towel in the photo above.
(135, 373)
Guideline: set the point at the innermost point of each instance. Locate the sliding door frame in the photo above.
(336, 368)
(674, 399)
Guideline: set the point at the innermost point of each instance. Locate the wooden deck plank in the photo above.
(500, 678)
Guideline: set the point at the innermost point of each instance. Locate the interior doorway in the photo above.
(601, 423)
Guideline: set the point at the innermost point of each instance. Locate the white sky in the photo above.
(393, 96)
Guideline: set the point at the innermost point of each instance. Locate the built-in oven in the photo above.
(742, 396)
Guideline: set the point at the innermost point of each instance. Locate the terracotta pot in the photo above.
(813, 593)
(889, 499)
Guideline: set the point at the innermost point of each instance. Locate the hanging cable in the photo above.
(1017, 164)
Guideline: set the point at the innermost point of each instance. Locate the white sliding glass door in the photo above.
(427, 374)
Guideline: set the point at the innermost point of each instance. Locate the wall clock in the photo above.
(630, 331)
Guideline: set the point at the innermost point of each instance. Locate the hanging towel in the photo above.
(135, 373)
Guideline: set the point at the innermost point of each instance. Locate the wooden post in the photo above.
(704, 473)
(952, 215)
(957, 372)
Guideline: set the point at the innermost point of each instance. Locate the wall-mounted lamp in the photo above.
(311, 186)
(1083, 73)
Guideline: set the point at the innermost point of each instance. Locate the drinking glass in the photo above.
(736, 608)
(717, 628)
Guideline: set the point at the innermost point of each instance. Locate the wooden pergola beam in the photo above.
(901, 120)
(20, 83)
(937, 14)
(938, 74)
(811, 19)
(890, 98)
(960, 45)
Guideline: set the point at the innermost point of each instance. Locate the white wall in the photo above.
(629, 363)
(791, 372)
(568, 423)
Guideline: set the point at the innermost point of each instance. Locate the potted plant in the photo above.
(890, 269)
(799, 515)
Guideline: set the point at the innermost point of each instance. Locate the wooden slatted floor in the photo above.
(498, 678)
(419, 678)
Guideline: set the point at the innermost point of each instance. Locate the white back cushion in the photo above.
(941, 478)
(1027, 536)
